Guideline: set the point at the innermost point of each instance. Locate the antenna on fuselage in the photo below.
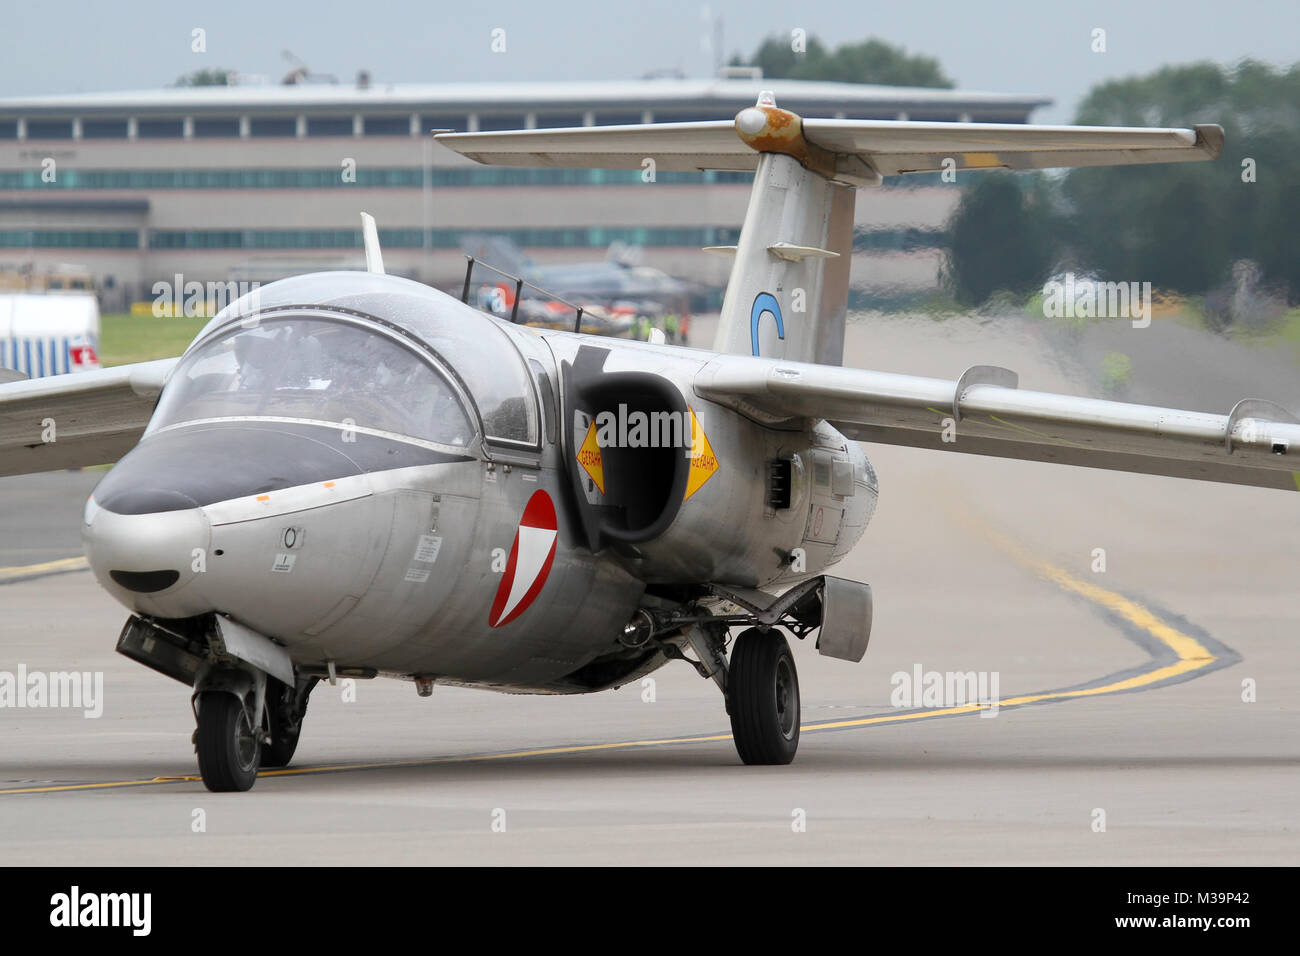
(370, 237)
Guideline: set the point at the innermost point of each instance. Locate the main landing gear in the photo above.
(760, 685)
(763, 697)
(760, 682)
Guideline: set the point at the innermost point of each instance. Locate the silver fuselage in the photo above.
(466, 562)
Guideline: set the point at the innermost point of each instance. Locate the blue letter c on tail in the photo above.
(764, 302)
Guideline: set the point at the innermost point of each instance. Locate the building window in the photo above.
(49, 129)
(388, 125)
(329, 125)
(8, 129)
(670, 116)
(273, 126)
(216, 127)
(459, 122)
(399, 177)
(617, 119)
(103, 129)
(489, 121)
(883, 114)
(558, 120)
(160, 128)
(575, 238)
(69, 239)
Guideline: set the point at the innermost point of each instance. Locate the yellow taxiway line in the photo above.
(1190, 655)
(37, 570)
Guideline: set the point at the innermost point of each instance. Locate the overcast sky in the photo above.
(1010, 46)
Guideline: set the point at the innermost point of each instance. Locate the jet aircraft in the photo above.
(352, 474)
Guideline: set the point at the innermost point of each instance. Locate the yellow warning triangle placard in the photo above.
(703, 462)
(590, 460)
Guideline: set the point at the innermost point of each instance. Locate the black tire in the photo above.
(284, 741)
(763, 698)
(229, 749)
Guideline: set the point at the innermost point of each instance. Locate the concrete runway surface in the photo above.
(1122, 690)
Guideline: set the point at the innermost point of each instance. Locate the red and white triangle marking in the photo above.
(530, 560)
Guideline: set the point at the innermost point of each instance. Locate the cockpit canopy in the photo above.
(373, 353)
(321, 370)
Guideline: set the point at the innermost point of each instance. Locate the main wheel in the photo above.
(230, 749)
(283, 730)
(763, 698)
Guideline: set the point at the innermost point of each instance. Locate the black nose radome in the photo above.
(199, 465)
(145, 582)
(144, 499)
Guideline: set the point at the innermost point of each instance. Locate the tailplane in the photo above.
(788, 292)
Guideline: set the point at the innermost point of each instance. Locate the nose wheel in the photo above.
(763, 697)
(228, 744)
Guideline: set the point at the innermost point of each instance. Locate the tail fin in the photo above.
(788, 291)
(789, 286)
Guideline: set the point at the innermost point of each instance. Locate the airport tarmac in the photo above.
(1123, 736)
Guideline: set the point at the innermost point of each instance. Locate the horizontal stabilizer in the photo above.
(787, 296)
(889, 147)
(673, 146)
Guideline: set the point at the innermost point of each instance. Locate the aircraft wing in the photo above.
(986, 413)
(93, 417)
(893, 147)
(889, 147)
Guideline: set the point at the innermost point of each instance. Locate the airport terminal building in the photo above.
(254, 182)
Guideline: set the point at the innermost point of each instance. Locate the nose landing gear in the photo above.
(285, 709)
(229, 748)
(246, 720)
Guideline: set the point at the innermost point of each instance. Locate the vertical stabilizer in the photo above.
(788, 291)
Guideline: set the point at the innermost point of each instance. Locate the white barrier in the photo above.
(48, 334)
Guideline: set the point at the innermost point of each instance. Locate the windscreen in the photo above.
(485, 359)
(320, 370)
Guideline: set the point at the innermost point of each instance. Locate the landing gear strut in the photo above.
(285, 709)
(246, 720)
(763, 697)
(760, 682)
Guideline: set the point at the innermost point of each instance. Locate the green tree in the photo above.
(869, 61)
(777, 58)
(1000, 237)
(214, 77)
(1182, 226)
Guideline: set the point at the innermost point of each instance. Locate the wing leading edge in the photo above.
(71, 421)
(985, 413)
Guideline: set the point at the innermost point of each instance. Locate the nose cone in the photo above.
(199, 466)
(146, 534)
(147, 560)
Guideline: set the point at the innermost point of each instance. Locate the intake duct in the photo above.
(628, 441)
